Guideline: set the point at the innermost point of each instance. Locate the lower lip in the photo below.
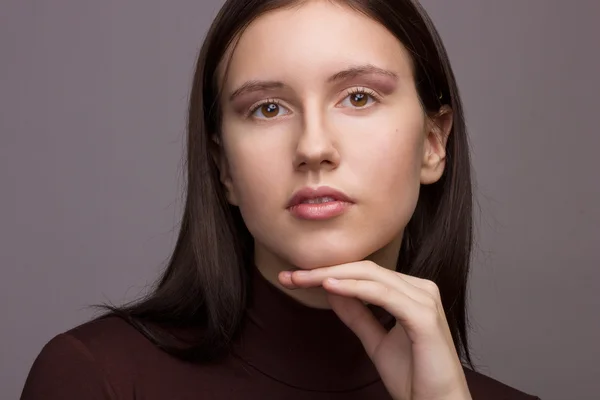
(319, 211)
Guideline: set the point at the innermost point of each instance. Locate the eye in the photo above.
(359, 98)
(268, 109)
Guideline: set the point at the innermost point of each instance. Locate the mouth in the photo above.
(319, 203)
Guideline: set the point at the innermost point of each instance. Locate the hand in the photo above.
(416, 359)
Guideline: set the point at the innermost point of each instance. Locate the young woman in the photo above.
(324, 249)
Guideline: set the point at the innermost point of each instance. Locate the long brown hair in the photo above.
(204, 284)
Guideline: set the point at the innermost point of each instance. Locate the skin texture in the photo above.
(377, 150)
(378, 147)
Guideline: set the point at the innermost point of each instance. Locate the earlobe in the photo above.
(433, 169)
(434, 149)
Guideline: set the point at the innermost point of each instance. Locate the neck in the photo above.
(301, 346)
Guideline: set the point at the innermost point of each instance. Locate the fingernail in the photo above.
(286, 274)
(332, 281)
(302, 273)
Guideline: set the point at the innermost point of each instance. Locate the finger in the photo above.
(360, 320)
(419, 321)
(285, 278)
(363, 270)
(424, 284)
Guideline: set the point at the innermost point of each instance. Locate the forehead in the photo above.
(309, 43)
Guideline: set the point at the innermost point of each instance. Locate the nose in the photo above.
(316, 148)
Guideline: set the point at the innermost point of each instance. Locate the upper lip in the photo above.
(307, 193)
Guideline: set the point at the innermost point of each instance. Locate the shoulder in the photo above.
(484, 387)
(90, 361)
(109, 339)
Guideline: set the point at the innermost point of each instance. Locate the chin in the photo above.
(316, 249)
(318, 255)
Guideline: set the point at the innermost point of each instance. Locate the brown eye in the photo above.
(359, 99)
(269, 110)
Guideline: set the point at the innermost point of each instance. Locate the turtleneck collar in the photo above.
(300, 346)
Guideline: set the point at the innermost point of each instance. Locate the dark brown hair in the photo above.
(204, 285)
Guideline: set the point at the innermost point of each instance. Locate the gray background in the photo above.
(92, 119)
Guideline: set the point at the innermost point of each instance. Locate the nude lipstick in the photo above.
(319, 203)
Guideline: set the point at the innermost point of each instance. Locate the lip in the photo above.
(308, 193)
(319, 211)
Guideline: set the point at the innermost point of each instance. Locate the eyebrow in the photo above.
(349, 73)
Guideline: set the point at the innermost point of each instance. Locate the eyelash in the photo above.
(363, 90)
(360, 90)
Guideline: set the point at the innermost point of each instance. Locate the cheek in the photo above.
(403, 159)
(253, 166)
(390, 160)
(389, 166)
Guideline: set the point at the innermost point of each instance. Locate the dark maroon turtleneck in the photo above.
(303, 347)
(285, 350)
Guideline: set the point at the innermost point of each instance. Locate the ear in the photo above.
(437, 131)
(218, 155)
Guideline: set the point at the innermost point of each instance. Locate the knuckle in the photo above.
(370, 265)
(368, 269)
(377, 289)
(384, 290)
(432, 288)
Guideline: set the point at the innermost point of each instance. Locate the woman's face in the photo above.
(322, 96)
